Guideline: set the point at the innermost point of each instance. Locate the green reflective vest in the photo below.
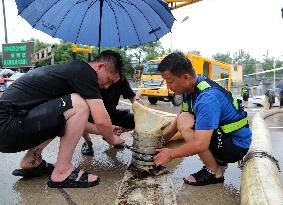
(226, 128)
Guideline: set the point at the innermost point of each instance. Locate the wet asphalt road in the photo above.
(110, 165)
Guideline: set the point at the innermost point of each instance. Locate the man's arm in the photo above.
(126, 89)
(136, 98)
(172, 130)
(197, 144)
(102, 121)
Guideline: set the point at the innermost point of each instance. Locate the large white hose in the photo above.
(260, 182)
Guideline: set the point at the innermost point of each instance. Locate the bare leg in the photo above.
(86, 137)
(91, 128)
(210, 162)
(76, 121)
(185, 123)
(33, 157)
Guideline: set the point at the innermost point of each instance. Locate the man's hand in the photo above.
(118, 140)
(164, 156)
(136, 98)
(117, 130)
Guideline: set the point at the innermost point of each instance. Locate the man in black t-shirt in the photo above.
(122, 118)
(55, 101)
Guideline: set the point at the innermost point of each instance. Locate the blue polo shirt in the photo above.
(212, 108)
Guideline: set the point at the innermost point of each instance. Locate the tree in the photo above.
(153, 50)
(126, 59)
(244, 58)
(239, 57)
(195, 52)
(39, 45)
(225, 58)
(146, 52)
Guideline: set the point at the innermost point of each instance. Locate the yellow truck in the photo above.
(155, 88)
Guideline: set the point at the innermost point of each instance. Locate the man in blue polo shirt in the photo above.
(212, 122)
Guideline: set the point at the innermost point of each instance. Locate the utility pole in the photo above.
(274, 77)
(5, 26)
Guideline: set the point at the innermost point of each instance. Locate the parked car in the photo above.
(2, 80)
(14, 77)
(4, 74)
(259, 100)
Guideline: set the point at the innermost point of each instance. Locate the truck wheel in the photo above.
(152, 100)
(177, 100)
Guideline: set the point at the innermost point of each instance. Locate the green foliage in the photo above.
(62, 52)
(225, 58)
(146, 52)
(195, 52)
(245, 59)
(39, 45)
(241, 57)
(126, 59)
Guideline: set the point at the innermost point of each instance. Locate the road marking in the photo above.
(67, 197)
(275, 127)
(126, 103)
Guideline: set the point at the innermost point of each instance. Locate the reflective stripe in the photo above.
(244, 91)
(231, 127)
(203, 85)
(235, 102)
(185, 107)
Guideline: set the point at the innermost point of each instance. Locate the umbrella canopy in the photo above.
(101, 23)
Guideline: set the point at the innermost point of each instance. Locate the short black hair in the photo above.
(177, 64)
(114, 57)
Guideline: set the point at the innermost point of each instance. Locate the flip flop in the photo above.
(119, 146)
(70, 181)
(42, 169)
(204, 177)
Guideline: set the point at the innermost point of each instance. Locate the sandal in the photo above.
(70, 181)
(119, 146)
(87, 149)
(204, 177)
(42, 169)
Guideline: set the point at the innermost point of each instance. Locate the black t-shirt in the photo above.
(112, 94)
(49, 82)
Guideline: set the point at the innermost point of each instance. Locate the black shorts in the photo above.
(246, 98)
(122, 118)
(26, 129)
(224, 150)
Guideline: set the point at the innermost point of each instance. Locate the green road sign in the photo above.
(17, 54)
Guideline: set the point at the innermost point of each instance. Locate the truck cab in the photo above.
(154, 87)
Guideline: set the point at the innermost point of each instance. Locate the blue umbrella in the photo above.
(101, 23)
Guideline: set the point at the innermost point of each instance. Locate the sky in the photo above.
(213, 26)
